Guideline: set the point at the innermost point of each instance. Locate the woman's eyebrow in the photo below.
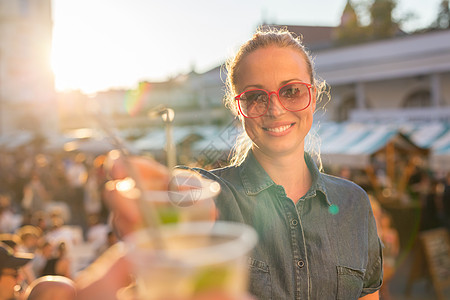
(259, 86)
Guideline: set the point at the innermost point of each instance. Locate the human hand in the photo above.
(110, 273)
(182, 195)
(151, 175)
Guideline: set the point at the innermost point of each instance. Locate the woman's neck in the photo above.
(289, 171)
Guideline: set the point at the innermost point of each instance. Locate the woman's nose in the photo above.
(275, 108)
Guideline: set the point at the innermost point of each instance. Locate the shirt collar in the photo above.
(255, 179)
(318, 181)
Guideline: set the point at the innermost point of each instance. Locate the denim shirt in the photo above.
(324, 247)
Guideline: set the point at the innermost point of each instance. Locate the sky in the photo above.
(103, 44)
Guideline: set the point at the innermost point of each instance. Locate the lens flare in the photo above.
(134, 99)
(125, 184)
(333, 209)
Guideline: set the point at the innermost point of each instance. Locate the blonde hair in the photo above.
(265, 37)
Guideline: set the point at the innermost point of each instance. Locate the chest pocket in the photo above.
(349, 282)
(260, 282)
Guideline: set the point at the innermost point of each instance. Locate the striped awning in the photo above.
(353, 144)
(436, 137)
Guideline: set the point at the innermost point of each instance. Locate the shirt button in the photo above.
(294, 222)
(301, 263)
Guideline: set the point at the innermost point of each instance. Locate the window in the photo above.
(347, 105)
(421, 98)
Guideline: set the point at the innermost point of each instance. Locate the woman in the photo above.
(317, 233)
(318, 237)
(58, 265)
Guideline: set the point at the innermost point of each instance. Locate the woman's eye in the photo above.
(262, 98)
(291, 92)
(257, 98)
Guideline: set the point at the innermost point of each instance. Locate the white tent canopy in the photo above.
(352, 144)
(435, 136)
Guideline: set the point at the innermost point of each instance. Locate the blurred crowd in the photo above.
(427, 208)
(52, 206)
(426, 191)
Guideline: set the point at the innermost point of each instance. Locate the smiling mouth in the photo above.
(278, 129)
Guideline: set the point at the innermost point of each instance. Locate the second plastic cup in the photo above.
(185, 260)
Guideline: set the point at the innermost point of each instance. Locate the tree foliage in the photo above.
(381, 25)
(443, 17)
(350, 30)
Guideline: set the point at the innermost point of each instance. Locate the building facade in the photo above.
(27, 94)
(405, 78)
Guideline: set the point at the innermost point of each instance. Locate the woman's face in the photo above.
(278, 132)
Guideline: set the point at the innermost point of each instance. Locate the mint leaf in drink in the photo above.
(211, 278)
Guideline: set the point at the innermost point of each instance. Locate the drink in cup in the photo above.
(190, 198)
(185, 260)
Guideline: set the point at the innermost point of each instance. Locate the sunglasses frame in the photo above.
(277, 93)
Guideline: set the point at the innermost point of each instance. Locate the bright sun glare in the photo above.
(77, 65)
(90, 55)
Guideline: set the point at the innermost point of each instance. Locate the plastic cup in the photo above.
(195, 259)
(190, 198)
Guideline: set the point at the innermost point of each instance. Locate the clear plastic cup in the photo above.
(185, 260)
(190, 198)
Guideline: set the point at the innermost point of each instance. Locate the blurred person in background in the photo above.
(9, 220)
(60, 232)
(391, 250)
(10, 277)
(76, 173)
(97, 231)
(15, 243)
(446, 201)
(92, 193)
(43, 254)
(29, 236)
(10, 239)
(59, 264)
(35, 195)
(111, 240)
(429, 204)
(29, 240)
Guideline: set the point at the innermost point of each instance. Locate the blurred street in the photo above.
(421, 289)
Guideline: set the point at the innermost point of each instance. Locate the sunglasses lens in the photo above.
(294, 96)
(254, 103)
